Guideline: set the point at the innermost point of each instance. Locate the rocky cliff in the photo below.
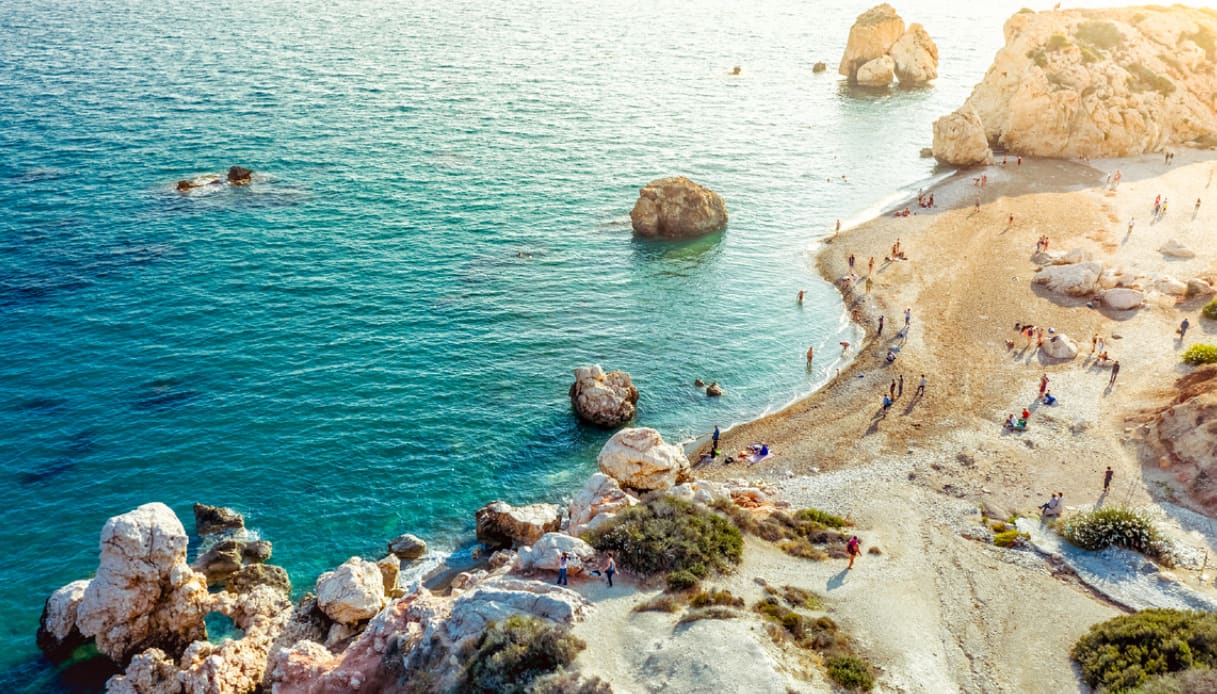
(1100, 83)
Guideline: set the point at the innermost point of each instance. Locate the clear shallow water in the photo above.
(351, 347)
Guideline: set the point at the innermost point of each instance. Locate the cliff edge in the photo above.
(1100, 83)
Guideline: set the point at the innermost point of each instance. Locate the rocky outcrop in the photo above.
(876, 73)
(603, 399)
(639, 459)
(597, 503)
(1101, 83)
(915, 56)
(1122, 298)
(239, 176)
(871, 36)
(1059, 346)
(57, 633)
(500, 524)
(959, 139)
(1183, 436)
(216, 520)
(879, 48)
(545, 554)
(150, 672)
(144, 594)
(677, 208)
(407, 547)
(352, 593)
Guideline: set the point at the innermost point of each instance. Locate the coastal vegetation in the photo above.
(663, 535)
(808, 533)
(510, 655)
(1200, 354)
(1210, 310)
(1102, 528)
(1132, 651)
(819, 635)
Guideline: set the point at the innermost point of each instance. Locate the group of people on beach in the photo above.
(925, 201)
(1113, 180)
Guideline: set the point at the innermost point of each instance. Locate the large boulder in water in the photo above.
(500, 524)
(639, 459)
(959, 139)
(871, 36)
(239, 176)
(603, 399)
(915, 56)
(58, 635)
(677, 208)
(144, 594)
(407, 546)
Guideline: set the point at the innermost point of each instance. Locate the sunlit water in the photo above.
(377, 336)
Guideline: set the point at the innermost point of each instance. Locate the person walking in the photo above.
(1183, 328)
(1131, 222)
(610, 568)
(871, 266)
(887, 404)
(900, 387)
(714, 439)
(1094, 340)
(880, 331)
(921, 386)
(562, 565)
(1115, 371)
(854, 548)
(1107, 478)
(851, 261)
(801, 296)
(1043, 384)
(908, 315)
(891, 391)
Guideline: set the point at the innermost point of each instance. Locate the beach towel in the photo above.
(756, 457)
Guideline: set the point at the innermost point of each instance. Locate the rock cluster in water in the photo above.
(677, 208)
(880, 49)
(1093, 83)
(604, 399)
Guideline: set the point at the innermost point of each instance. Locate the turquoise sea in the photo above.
(377, 336)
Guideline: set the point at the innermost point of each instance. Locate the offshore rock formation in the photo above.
(677, 208)
(880, 48)
(639, 459)
(603, 399)
(407, 547)
(1100, 83)
(500, 524)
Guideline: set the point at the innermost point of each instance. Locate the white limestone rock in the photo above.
(501, 525)
(639, 459)
(1123, 298)
(603, 399)
(597, 503)
(1077, 279)
(351, 593)
(915, 56)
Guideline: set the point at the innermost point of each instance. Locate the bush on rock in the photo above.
(511, 654)
(1201, 354)
(1123, 653)
(1210, 310)
(665, 534)
(1122, 527)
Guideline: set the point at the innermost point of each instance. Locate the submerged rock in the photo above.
(677, 208)
(603, 399)
(215, 520)
(239, 176)
(57, 633)
(819, 67)
(407, 547)
(639, 459)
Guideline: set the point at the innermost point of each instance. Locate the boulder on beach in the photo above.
(239, 176)
(871, 36)
(915, 56)
(959, 139)
(144, 595)
(501, 525)
(1077, 279)
(1184, 434)
(639, 459)
(597, 503)
(1174, 249)
(1199, 287)
(677, 208)
(603, 399)
(1059, 346)
(351, 593)
(546, 553)
(407, 547)
(1122, 298)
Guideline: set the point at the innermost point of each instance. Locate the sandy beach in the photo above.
(941, 609)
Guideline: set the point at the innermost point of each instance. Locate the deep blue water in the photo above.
(352, 347)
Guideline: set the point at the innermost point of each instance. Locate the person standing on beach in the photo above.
(610, 568)
(562, 565)
(1107, 478)
(854, 548)
(891, 391)
(908, 316)
(851, 261)
(871, 267)
(1131, 222)
(887, 404)
(1183, 329)
(880, 331)
(714, 442)
(1020, 160)
(844, 348)
(838, 226)
(900, 387)
(1094, 340)
(869, 283)
(921, 386)
(1115, 371)
(1043, 384)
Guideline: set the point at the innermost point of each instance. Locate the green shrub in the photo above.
(1201, 354)
(1210, 310)
(681, 580)
(710, 598)
(1122, 527)
(1026, 10)
(1058, 42)
(1148, 80)
(1103, 35)
(664, 602)
(851, 672)
(509, 655)
(796, 597)
(707, 613)
(803, 549)
(1009, 538)
(819, 633)
(1123, 653)
(1185, 682)
(665, 534)
(821, 518)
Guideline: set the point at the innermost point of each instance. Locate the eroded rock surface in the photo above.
(639, 459)
(677, 208)
(604, 399)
